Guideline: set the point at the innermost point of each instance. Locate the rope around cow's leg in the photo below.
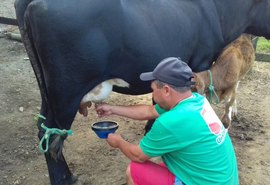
(37, 116)
(48, 133)
(212, 89)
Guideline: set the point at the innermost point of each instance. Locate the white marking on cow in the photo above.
(100, 93)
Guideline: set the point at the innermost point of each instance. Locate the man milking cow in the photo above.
(72, 51)
(187, 134)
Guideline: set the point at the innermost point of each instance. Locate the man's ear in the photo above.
(167, 89)
(193, 80)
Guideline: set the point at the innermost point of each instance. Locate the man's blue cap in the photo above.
(172, 71)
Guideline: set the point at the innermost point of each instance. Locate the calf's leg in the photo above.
(230, 108)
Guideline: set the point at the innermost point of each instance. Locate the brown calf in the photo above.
(233, 63)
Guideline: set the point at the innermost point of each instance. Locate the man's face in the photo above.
(158, 95)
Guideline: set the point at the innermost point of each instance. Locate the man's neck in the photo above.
(180, 97)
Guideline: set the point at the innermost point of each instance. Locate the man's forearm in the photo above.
(132, 151)
(138, 112)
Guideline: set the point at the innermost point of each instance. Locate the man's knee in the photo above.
(128, 174)
(128, 171)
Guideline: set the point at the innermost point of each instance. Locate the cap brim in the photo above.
(147, 76)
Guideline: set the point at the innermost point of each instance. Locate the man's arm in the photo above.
(138, 112)
(132, 151)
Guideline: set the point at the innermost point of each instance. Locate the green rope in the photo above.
(37, 116)
(48, 133)
(212, 89)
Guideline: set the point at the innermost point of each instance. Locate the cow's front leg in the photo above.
(149, 123)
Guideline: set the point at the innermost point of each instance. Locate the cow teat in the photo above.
(100, 93)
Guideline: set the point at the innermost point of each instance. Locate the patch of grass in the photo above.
(263, 45)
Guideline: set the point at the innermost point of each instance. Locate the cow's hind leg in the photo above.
(58, 169)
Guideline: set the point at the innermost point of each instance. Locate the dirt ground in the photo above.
(90, 158)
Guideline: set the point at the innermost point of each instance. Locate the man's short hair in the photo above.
(161, 84)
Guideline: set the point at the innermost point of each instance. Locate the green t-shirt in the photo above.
(193, 143)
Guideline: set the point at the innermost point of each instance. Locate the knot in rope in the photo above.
(48, 133)
(37, 116)
(211, 89)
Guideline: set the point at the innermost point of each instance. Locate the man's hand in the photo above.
(114, 140)
(103, 109)
(132, 151)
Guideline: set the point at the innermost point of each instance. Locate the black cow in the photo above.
(74, 45)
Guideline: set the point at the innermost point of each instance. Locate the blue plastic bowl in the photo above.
(104, 128)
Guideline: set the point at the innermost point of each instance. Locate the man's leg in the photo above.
(149, 173)
(129, 178)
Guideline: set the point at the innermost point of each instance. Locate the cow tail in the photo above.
(33, 56)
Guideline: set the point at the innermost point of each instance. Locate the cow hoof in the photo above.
(234, 113)
(73, 180)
